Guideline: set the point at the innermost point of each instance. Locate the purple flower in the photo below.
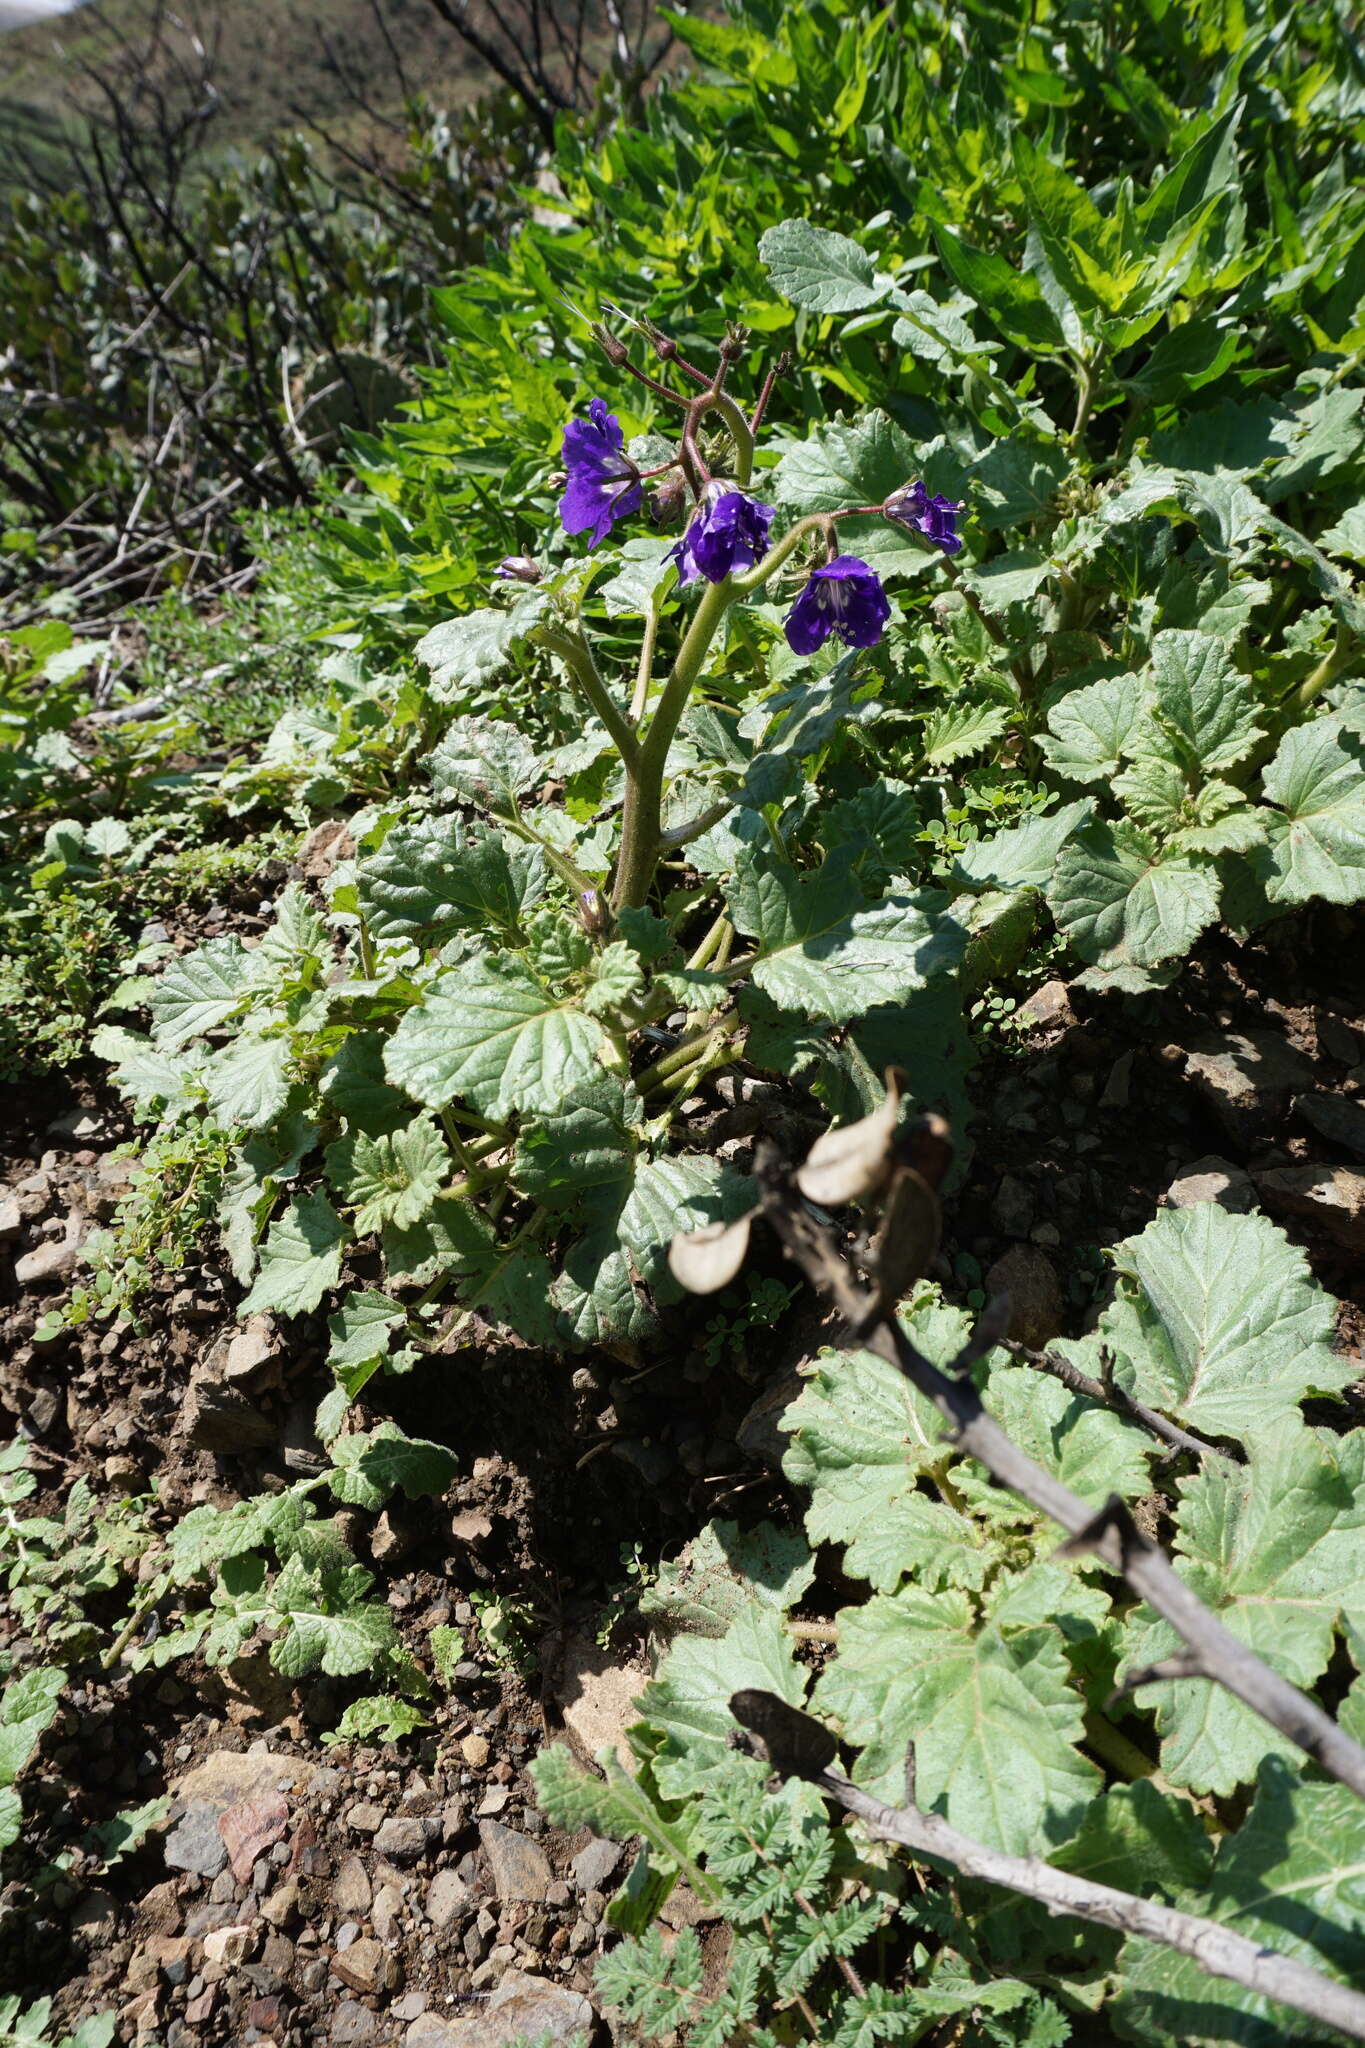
(603, 483)
(923, 512)
(844, 598)
(518, 569)
(728, 531)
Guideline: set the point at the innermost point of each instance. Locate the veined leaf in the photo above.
(820, 270)
(393, 1179)
(1317, 837)
(1273, 1547)
(1220, 1323)
(300, 1260)
(1123, 901)
(491, 1034)
(824, 953)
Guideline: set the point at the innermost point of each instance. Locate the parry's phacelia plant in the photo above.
(727, 548)
(923, 511)
(603, 483)
(844, 598)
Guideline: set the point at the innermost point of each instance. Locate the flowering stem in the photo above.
(644, 674)
(639, 855)
(574, 652)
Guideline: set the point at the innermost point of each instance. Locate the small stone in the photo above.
(250, 1828)
(227, 1945)
(518, 1866)
(364, 1819)
(595, 1863)
(366, 1967)
(217, 1417)
(559, 1894)
(94, 1918)
(1212, 1180)
(410, 2006)
(351, 1888)
(224, 1889)
(353, 2026)
(387, 1912)
(1118, 1087)
(493, 1801)
(447, 1899)
(583, 1937)
(282, 1906)
(1336, 1118)
(194, 1843)
(1248, 1078)
(1330, 1195)
(278, 1954)
(474, 1750)
(47, 1263)
(1012, 1210)
(1049, 1007)
(402, 1841)
(597, 1694)
(11, 1217)
(252, 1349)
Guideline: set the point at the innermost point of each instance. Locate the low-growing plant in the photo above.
(1081, 1726)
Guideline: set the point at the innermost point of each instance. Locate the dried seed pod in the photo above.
(708, 1259)
(856, 1160)
(927, 1146)
(906, 1244)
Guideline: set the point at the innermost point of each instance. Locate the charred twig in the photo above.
(799, 1747)
(1111, 1535)
(1110, 1395)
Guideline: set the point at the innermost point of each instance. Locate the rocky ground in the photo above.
(299, 1894)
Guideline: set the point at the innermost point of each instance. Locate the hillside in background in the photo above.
(275, 61)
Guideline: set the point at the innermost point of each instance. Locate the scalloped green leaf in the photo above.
(1273, 1547)
(993, 1714)
(820, 270)
(489, 1033)
(1317, 834)
(1219, 1322)
(300, 1259)
(1124, 900)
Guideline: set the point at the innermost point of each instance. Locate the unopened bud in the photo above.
(732, 348)
(615, 351)
(518, 569)
(594, 913)
(668, 502)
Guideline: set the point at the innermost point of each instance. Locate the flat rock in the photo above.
(596, 1863)
(250, 1828)
(46, 1264)
(1212, 1180)
(447, 1900)
(218, 1417)
(353, 2025)
(226, 1775)
(254, 1347)
(521, 2009)
(401, 1840)
(367, 1966)
(1336, 1118)
(518, 1866)
(597, 1695)
(1049, 1007)
(1330, 1195)
(194, 1843)
(1248, 1079)
(1027, 1275)
(351, 1891)
(11, 1217)
(1012, 1209)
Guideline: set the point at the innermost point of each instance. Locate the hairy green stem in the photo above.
(576, 655)
(710, 944)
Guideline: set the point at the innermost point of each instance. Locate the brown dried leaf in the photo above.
(856, 1160)
(708, 1259)
(907, 1242)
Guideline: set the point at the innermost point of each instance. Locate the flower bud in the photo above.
(668, 502)
(518, 569)
(615, 351)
